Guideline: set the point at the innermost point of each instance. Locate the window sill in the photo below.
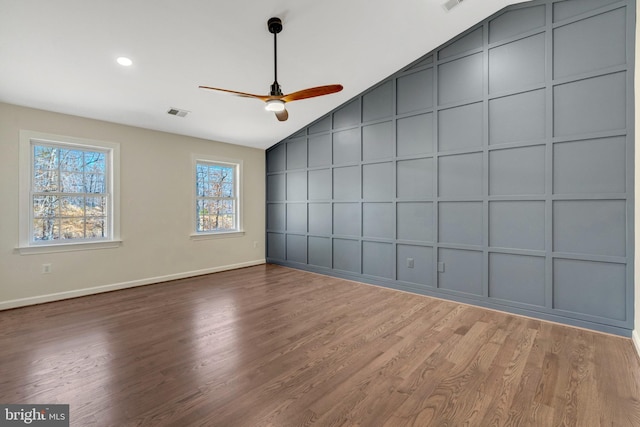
(67, 247)
(218, 235)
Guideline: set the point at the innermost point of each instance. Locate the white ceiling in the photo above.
(60, 56)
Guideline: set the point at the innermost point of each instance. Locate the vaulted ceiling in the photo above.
(61, 56)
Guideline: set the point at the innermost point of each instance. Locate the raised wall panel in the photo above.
(319, 251)
(275, 245)
(320, 218)
(460, 175)
(346, 255)
(378, 259)
(517, 278)
(517, 118)
(378, 220)
(592, 166)
(346, 219)
(297, 248)
(460, 222)
(378, 103)
(570, 8)
(319, 150)
(275, 159)
(592, 288)
(517, 224)
(415, 91)
(422, 271)
(462, 271)
(377, 141)
(460, 127)
(297, 186)
(320, 184)
(276, 187)
(321, 125)
(297, 217)
(590, 227)
(517, 65)
(346, 183)
(591, 105)
(347, 115)
(469, 42)
(590, 44)
(415, 221)
(275, 216)
(377, 181)
(297, 153)
(460, 80)
(415, 179)
(346, 146)
(517, 171)
(515, 22)
(414, 135)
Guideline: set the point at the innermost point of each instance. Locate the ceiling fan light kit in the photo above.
(274, 105)
(276, 100)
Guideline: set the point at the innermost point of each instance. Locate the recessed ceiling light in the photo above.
(124, 61)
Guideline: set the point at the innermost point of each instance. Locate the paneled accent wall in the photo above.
(496, 170)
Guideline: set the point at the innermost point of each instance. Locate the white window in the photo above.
(217, 197)
(68, 193)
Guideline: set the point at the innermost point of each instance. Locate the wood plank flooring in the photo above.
(272, 346)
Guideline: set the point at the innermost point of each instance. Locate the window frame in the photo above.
(238, 187)
(27, 244)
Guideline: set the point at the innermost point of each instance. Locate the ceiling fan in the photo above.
(276, 99)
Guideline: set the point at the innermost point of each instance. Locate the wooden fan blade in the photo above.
(248, 95)
(282, 115)
(312, 92)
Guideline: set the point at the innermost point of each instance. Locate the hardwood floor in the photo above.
(271, 346)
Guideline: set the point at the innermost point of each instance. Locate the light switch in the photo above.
(409, 262)
(440, 267)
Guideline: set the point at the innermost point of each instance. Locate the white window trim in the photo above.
(207, 235)
(25, 245)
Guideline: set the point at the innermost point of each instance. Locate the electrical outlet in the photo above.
(409, 262)
(46, 268)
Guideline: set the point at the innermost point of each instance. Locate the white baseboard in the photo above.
(635, 337)
(5, 305)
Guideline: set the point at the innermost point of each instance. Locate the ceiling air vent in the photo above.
(177, 112)
(450, 4)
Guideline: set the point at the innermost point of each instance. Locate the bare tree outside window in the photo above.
(69, 194)
(216, 197)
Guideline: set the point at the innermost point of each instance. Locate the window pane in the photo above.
(71, 160)
(97, 227)
(71, 206)
(227, 222)
(96, 206)
(45, 158)
(71, 182)
(45, 181)
(46, 229)
(95, 162)
(72, 228)
(94, 183)
(227, 190)
(45, 206)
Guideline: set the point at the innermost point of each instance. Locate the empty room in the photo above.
(300, 213)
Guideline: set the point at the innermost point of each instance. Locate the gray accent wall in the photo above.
(496, 170)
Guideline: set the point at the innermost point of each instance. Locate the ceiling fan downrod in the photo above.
(275, 26)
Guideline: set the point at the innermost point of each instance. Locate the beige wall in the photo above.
(156, 208)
